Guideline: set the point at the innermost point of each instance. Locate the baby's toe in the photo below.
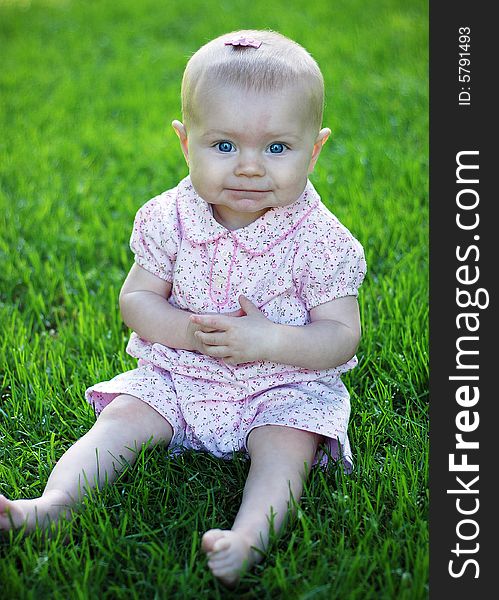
(4, 503)
(210, 538)
(221, 544)
(217, 561)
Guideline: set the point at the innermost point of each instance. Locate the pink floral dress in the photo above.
(288, 261)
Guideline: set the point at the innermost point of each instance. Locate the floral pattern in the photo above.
(288, 261)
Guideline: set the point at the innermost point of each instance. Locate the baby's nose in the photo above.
(250, 164)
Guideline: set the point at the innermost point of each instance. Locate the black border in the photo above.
(455, 128)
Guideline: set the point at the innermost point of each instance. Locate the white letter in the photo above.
(461, 166)
(474, 192)
(460, 574)
(463, 421)
(467, 537)
(464, 466)
(463, 395)
(467, 512)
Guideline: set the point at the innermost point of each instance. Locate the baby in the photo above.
(242, 300)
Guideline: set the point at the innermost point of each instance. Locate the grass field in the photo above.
(88, 91)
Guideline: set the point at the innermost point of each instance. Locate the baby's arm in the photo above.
(328, 341)
(145, 309)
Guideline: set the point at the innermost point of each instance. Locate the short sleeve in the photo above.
(155, 236)
(330, 268)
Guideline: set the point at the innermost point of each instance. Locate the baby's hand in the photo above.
(193, 327)
(240, 337)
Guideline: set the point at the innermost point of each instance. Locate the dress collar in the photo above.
(200, 227)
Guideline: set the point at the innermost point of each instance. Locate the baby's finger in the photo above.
(211, 322)
(208, 328)
(236, 313)
(217, 351)
(211, 338)
(205, 329)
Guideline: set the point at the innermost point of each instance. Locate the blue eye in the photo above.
(225, 146)
(276, 148)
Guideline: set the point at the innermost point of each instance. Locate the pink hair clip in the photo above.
(242, 41)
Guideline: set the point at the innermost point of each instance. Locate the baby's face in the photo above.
(250, 151)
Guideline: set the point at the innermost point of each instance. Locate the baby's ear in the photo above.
(181, 132)
(319, 143)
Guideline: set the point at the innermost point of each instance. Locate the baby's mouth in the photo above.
(248, 193)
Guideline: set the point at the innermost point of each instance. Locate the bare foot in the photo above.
(14, 514)
(229, 554)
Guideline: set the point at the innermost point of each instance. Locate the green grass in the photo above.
(88, 92)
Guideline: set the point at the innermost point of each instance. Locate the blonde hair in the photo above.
(278, 62)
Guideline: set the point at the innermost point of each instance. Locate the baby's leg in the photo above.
(114, 440)
(278, 456)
